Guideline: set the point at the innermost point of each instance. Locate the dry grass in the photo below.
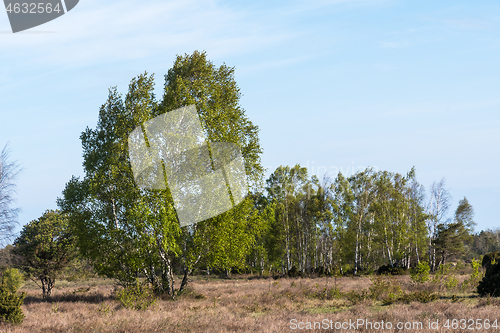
(240, 304)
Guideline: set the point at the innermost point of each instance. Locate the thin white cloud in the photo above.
(394, 45)
(442, 108)
(96, 32)
(304, 6)
(468, 24)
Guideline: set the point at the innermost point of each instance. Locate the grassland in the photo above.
(250, 304)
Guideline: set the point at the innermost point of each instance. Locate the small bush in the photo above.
(10, 306)
(193, 294)
(355, 297)
(294, 272)
(390, 299)
(383, 286)
(425, 296)
(13, 279)
(104, 309)
(421, 273)
(475, 277)
(460, 265)
(451, 282)
(387, 269)
(490, 284)
(334, 293)
(379, 286)
(422, 296)
(137, 296)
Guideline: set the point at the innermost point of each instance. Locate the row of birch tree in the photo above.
(356, 223)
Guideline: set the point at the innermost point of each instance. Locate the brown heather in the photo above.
(242, 304)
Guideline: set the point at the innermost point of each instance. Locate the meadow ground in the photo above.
(250, 304)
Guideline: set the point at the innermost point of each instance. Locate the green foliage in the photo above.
(441, 273)
(476, 275)
(334, 293)
(294, 272)
(451, 282)
(45, 247)
(104, 309)
(460, 265)
(10, 305)
(137, 296)
(388, 270)
(421, 273)
(490, 284)
(356, 297)
(191, 293)
(385, 287)
(78, 269)
(475, 268)
(389, 291)
(490, 259)
(6, 257)
(390, 298)
(486, 241)
(451, 237)
(464, 214)
(13, 279)
(445, 277)
(422, 296)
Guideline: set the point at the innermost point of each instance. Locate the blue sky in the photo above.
(334, 85)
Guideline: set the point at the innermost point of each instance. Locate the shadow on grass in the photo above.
(93, 298)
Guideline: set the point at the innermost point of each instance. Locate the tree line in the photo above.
(358, 223)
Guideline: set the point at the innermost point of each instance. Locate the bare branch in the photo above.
(8, 215)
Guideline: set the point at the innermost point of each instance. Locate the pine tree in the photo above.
(10, 305)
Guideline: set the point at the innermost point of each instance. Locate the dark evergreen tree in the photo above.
(10, 305)
(490, 284)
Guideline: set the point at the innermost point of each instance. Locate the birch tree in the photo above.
(437, 209)
(9, 172)
(130, 232)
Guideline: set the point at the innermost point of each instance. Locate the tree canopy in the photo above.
(44, 248)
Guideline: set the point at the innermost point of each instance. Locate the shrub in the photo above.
(334, 293)
(460, 265)
(355, 297)
(451, 282)
(421, 273)
(378, 287)
(425, 296)
(137, 296)
(13, 279)
(384, 286)
(490, 284)
(422, 296)
(475, 277)
(489, 258)
(294, 272)
(193, 294)
(10, 306)
(445, 277)
(387, 269)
